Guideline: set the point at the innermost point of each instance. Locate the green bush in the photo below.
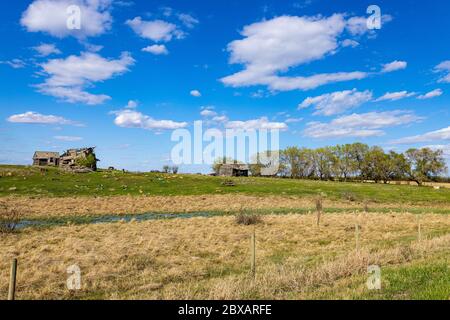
(90, 161)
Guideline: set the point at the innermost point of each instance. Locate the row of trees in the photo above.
(359, 161)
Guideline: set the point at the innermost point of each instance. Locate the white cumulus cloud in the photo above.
(156, 49)
(195, 93)
(134, 119)
(274, 46)
(68, 78)
(156, 30)
(208, 112)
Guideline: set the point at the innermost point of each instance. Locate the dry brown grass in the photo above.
(74, 206)
(209, 257)
(51, 207)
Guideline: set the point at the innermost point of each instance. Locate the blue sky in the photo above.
(137, 70)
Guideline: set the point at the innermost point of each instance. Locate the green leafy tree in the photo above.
(358, 153)
(290, 157)
(324, 158)
(376, 165)
(425, 164)
(398, 166)
(344, 165)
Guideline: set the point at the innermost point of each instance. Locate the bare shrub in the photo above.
(9, 219)
(349, 196)
(247, 219)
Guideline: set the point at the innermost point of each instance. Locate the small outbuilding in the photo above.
(234, 170)
(46, 158)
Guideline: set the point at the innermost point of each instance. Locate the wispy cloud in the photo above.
(46, 49)
(394, 66)
(256, 124)
(15, 63)
(444, 68)
(432, 136)
(431, 94)
(394, 96)
(336, 102)
(68, 138)
(362, 125)
(31, 117)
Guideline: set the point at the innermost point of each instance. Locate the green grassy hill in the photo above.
(31, 181)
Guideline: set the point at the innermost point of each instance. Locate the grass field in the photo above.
(209, 257)
(29, 181)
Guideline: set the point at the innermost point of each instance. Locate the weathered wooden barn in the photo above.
(72, 159)
(46, 158)
(234, 170)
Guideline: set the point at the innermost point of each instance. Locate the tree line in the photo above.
(358, 161)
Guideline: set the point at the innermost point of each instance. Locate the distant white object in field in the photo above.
(436, 187)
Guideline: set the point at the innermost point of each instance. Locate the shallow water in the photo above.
(112, 218)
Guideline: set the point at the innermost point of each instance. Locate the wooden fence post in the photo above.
(12, 281)
(419, 232)
(253, 253)
(357, 236)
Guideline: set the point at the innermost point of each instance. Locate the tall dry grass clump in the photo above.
(9, 219)
(366, 207)
(247, 219)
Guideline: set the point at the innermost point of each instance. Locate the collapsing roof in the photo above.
(45, 155)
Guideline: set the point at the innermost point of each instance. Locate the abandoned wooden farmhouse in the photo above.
(72, 159)
(234, 170)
